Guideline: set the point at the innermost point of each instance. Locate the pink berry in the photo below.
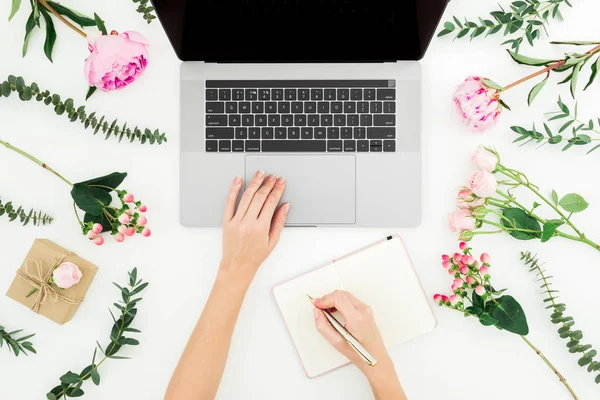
(437, 298)
(444, 298)
(453, 287)
(457, 257)
(470, 280)
(146, 232)
(128, 198)
(92, 235)
(446, 264)
(480, 290)
(129, 211)
(122, 229)
(124, 219)
(445, 257)
(485, 258)
(143, 208)
(470, 260)
(462, 245)
(119, 237)
(454, 300)
(142, 221)
(130, 231)
(458, 282)
(97, 228)
(450, 271)
(464, 258)
(99, 241)
(484, 270)
(464, 270)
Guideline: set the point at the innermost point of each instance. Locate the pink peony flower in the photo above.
(454, 300)
(66, 275)
(97, 228)
(437, 298)
(484, 160)
(482, 183)
(461, 220)
(480, 290)
(470, 280)
(143, 208)
(116, 60)
(99, 241)
(478, 104)
(485, 258)
(484, 270)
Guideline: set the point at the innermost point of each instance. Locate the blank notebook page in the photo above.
(381, 276)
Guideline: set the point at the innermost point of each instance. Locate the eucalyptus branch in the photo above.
(527, 17)
(146, 10)
(35, 217)
(588, 354)
(16, 346)
(70, 383)
(73, 113)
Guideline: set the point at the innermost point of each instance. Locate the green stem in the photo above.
(35, 160)
(76, 214)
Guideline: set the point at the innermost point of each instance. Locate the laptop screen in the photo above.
(299, 30)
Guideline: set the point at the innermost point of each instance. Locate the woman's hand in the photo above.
(251, 232)
(359, 321)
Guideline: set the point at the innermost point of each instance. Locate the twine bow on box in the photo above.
(39, 282)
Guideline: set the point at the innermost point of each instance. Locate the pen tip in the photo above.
(310, 298)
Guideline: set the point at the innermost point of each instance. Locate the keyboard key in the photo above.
(386, 94)
(320, 133)
(339, 120)
(260, 120)
(294, 146)
(326, 120)
(389, 145)
(253, 145)
(346, 133)
(224, 145)
(277, 94)
(366, 120)
(376, 107)
(290, 94)
(330, 94)
(213, 107)
(384, 120)
(336, 107)
(258, 107)
(362, 146)
(350, 145)
(293, 133)
(238, 94)
(241, 133)
(313, 120)
(212, 145)
(237, 145)
(231, 107)
(375, 145)
(235, 120)
(333, 133)
(349, 107)
(369, 94)
(267, 133)
(323, 107)
(306, 133)
(334, 145)
(363, 107)
(310, 107)
(280, 133)
(287, 120)
(271, 107)
(244, 107)
(216, 120)
(389, 107)
(251, 94)
(254, 133)
(212, 94)
(274, 120)
(300, 120)
(343, 94)
(283, 107)
(381, 133)
(264, 94)
(359, 133)
(316, 94)
(353, 119)
(247, 120)
(219, 133)
(356, 94)
(224, 94)
(297, 107)
(303, 94)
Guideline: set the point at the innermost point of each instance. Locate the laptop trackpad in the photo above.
(320, 188)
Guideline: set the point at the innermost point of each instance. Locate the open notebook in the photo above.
(381, 276)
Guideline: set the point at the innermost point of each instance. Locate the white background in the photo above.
(459, 359)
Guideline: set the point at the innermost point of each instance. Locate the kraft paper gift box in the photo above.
(49, 300)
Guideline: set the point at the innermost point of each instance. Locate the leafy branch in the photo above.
(35, 217)
(525, 17)
(558, 317)
(572, 121)
(16, 346)
(145, 9)
(70, 383)
(73, 113)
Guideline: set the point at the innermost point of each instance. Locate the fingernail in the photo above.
(316, 313)
(281, 180)
(285, 209)
(271, 178)
(260, 173)
(237, 180)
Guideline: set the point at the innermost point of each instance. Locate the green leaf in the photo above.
(74, 392)
(50, 34)
(112, 180)
(566, 125)
(50, 396)
(490, 83)
(574, 78)
(90, 92)
(510, 315)
(549, 228)
(573, 202)
(73, 15)
(69, 378)
(478, 301)
(536, 62)
(16, 4)
(92, 200)
(100, 24)
(554, 197)
(487, 320)
(28, 29)
(520, 220)
(536, 89)
(95, 377)
(100, 219)
(503, 104)
(595, 68)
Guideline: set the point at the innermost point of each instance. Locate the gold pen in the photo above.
(352, 341)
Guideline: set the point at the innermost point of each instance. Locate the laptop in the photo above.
(324, 92)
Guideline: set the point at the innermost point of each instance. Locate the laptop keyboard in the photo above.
(301, 116)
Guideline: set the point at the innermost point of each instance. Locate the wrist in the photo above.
(383, 371)
(233, 276)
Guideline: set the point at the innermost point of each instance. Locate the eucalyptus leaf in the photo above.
(536, 90)
(16, 4)
(50, 34)
(536, 62)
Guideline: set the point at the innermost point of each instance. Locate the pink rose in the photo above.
(466, 199)
(66, 275)
(484, 160)
(461, 220)
(116, 60)
(482, 183)
(477, 103)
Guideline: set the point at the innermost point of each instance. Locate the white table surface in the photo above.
(460, 359)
